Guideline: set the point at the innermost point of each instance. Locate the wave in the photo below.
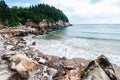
(72, 47)
(102, 33)
(94, 38)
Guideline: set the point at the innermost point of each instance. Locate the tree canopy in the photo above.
(15, 15)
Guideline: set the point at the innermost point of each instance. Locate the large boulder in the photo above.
(94, 72)
(99, 69)
(22, 65)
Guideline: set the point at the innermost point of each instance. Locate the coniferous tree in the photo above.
(37, 13)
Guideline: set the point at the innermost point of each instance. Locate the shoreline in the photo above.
(62, 68)
(31, 28)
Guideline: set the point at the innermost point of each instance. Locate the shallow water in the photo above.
(85, 41)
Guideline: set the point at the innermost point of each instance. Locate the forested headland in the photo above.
(36, 13)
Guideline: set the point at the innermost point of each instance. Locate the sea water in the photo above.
(82, 41)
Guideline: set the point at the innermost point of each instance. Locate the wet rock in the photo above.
(33, 43)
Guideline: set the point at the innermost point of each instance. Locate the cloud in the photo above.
(106, 10)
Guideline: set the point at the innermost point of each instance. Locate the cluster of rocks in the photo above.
(20, 61)
(31, 28)
(44, 27)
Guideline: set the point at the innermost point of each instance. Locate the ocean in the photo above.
(81, 41)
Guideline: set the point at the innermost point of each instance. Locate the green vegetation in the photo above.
(15, 15)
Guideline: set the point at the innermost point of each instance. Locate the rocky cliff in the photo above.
(31, 28)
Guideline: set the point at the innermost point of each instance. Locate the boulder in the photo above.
(94, 72)
(99, 69)
(22, 65)
(33, 43)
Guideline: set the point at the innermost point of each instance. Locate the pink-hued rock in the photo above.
(43, 23)
(28, 62)
(33, 43)
(22, 64)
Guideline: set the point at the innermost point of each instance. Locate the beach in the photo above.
(54, 56)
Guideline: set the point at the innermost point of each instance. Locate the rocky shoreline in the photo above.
(21, 61)
(37, 29)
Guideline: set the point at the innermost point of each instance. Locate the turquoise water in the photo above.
(85, 40)
(92, 31)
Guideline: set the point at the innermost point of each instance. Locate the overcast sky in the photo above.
(81, 11)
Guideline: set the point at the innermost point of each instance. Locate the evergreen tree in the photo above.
(4, 11)
(37, 13)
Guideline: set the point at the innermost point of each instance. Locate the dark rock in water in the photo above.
(64, 58)
(99, 69)
(34, 43)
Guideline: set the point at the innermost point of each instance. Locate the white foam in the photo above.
(74, 48)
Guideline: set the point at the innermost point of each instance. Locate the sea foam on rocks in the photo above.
(70, 48)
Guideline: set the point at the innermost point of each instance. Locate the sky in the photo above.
(81, 11)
